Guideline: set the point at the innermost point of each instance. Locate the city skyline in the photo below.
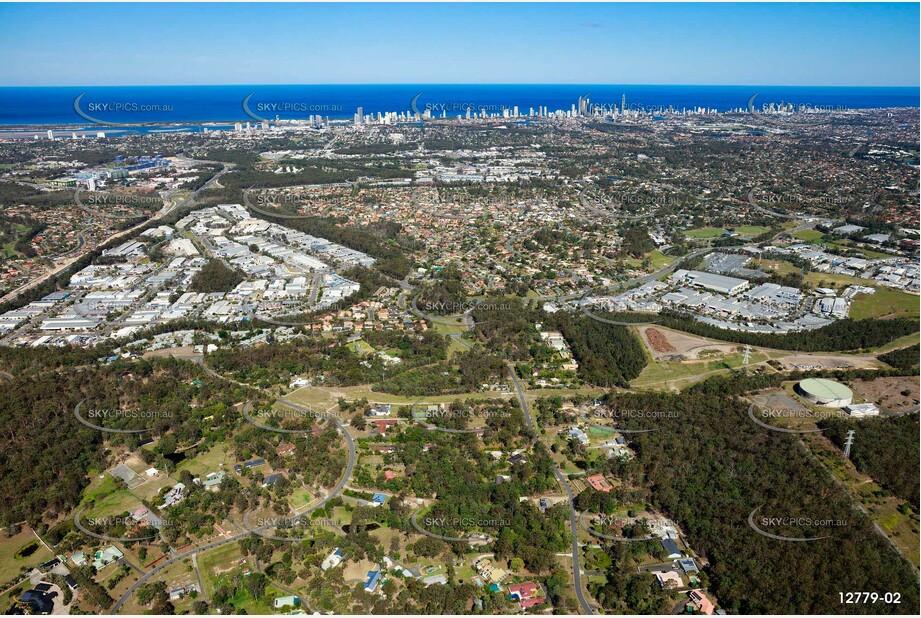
(829, 44)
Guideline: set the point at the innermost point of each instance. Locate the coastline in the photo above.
(28, 107)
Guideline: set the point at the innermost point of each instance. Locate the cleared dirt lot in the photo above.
(777, 399)
(829, 361)
(658, 341)
(664, 344)
(887, 393)
(181, 352)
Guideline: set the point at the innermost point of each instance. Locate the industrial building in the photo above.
(861, 410)
(709, 281)
(824, 392)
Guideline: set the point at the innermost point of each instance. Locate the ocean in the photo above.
(172, 105)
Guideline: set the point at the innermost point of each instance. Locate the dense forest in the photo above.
(627, 591)
(608, 355)
(637, 242)
(446, 295)
(508, 328)
(884, 449)
(278, 363)
(903, 358)
(456, 470)
(708, 467)
(16, 233)
(14, 193)
(317, 171)
(331, 361)
(45, 452)
(215, 276)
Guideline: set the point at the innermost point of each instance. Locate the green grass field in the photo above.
(659, 375)
(449, 329)
(114, 504)
(832, 280)
(808, 235)
(885, 303)
(846, 245)
(362, 347)
(205, 463)
(455, 347)
(778, 266)
(10, 565)
(657, 259)
(99, 488)
(300, 497)
(325, 397)
(752, 230)
(814, 236)
(217, 562)
(598, 431)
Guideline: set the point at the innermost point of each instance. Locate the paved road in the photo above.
(199, 360)
(574, 528)
(285, 589)
(128, 593)
(577, 572)
(522, 402)
(573, 519)
(350, 466)
(456, 337)
(51, 273)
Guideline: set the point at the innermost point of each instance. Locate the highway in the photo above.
(128, 232)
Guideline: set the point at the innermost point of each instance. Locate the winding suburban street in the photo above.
(573, 516)
(192, 553)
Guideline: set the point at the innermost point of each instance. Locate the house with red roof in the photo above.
(384, 424)
(700, 602)
(527, 594)
(599, 483)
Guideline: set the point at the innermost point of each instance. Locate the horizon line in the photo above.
(600, 84)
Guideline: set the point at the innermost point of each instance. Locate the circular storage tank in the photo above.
(825, 392)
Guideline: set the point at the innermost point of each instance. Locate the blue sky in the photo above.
(761, 44)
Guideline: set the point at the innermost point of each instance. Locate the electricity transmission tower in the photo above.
(848, 442)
